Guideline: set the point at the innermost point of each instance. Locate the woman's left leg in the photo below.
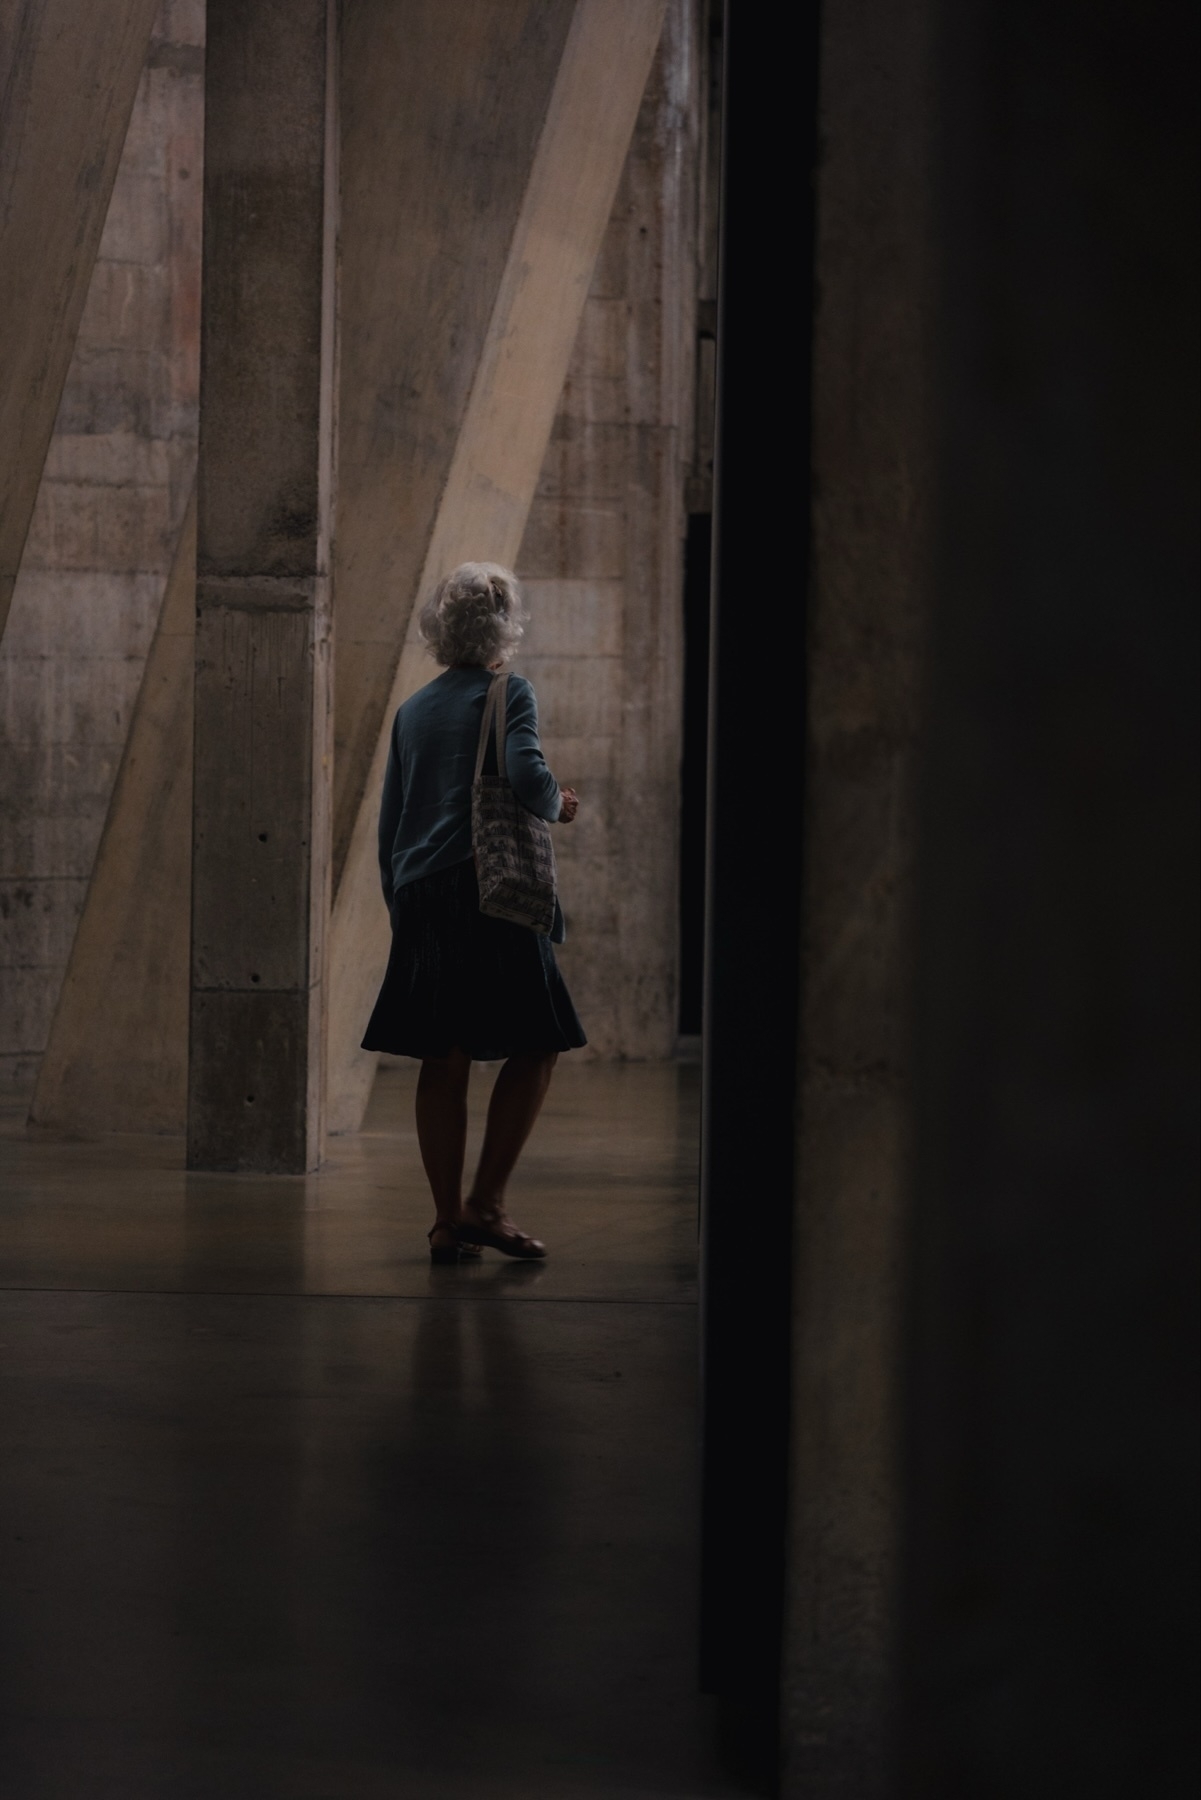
(442, 1135)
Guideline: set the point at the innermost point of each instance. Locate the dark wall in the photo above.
(1049, 1645)
(756, 720)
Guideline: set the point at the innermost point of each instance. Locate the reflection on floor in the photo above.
(286, 1512)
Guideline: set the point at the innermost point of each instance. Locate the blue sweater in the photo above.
(425, 816)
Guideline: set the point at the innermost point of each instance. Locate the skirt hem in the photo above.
(459, 979)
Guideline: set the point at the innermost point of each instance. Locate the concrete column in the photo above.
(262, 751)
(490, 442)
(866, 637)
(68, 76)
(1049, 1639)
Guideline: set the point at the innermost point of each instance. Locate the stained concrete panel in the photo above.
(607, 520)
(113, 490)
(867, 621)
(573, 617)
(584, 540)
(261, 745)
(585, 690)
(116, 1050)
(61, 841)
(265, 181)
(38, 919)
(98, 613)
(253, 804)
(69, 81)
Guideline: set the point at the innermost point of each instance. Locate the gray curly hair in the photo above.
(475, 616)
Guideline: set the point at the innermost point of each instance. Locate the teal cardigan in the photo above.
(425, 815)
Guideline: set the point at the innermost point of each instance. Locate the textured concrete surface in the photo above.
(601, 563)
(288, 1512)
(262, 774)
(67, 81)
(1050, 1633)
(602, 550)
(442, 112)
(483, 507)
(126, 985)
(867, 623)
(102, 538)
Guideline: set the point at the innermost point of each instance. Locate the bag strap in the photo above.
(494, 712)
(500, 687)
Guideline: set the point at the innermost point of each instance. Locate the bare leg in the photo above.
(442, 1129)
(516, 1102)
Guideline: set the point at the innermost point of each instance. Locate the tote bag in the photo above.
(514, 856)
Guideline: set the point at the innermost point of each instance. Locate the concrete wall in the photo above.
(1049, 1633)
(867, 623)
(113, 493)
(602, 568)
(602, 558)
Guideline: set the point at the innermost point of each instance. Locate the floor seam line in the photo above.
(265, 1294)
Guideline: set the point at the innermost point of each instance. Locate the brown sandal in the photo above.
(446, 1254)
(443, 1253)
(509, 1243)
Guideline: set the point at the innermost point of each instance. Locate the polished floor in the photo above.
(286, 1512)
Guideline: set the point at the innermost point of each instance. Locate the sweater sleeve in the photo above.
(525, 764)
(391, 806)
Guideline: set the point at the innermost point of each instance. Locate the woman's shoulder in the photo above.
(435, 694)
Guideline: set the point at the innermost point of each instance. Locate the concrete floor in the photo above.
(286, 1512)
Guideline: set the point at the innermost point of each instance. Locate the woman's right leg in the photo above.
(442, 1130)
(516, 1102)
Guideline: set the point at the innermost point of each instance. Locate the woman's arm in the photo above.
(525, 764)
(391, 806)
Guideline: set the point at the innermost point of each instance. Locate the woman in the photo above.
(462, 986)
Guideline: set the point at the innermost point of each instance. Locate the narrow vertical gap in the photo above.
(697, 567)
(753, 869)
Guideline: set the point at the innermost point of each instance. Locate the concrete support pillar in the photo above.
(868, 607)
(262, 749)
(1048, 1643)
(68, 76)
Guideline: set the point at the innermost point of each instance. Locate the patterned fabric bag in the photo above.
(514, 857)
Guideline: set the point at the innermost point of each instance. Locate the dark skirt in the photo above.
(458, 980)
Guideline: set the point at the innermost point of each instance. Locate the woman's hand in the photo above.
(569, 805)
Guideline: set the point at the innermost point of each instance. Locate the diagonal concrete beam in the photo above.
(498, 453)
(117, 1055)
(68, 77)
(442, 109)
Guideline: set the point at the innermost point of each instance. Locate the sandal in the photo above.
(443, 1252)
(449, 1253)
(510, 1243)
